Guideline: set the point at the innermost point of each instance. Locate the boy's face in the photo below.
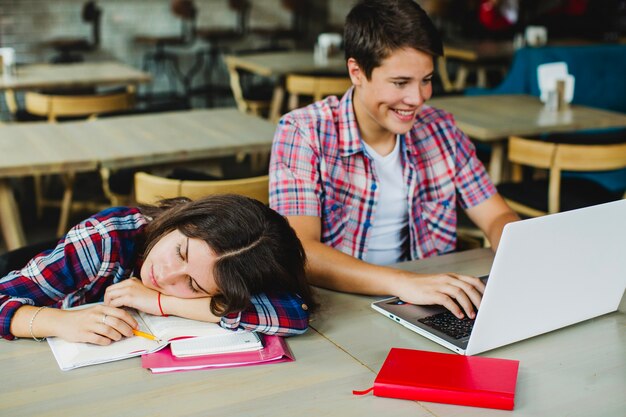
(388, 103)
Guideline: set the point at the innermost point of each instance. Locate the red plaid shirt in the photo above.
(102, 251)
(319, 168)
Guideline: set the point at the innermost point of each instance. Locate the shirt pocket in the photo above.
(334, 223)
(439, 219)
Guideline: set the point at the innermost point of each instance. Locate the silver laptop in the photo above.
(549, 272)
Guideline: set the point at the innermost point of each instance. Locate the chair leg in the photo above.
(66, 203)
(114, 199)
(39, 197)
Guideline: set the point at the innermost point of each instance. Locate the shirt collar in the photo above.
(349, 137)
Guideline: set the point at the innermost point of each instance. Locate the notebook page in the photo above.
(172, 327)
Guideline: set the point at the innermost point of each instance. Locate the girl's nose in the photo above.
(171, 274)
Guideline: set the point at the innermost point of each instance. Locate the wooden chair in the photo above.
(55, 106)
(60, 106)
(255, 101)
(151, 188)
(315, 86)
(536, 197)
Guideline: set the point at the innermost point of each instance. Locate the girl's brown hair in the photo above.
(257, 250)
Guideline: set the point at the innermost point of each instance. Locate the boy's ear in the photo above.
(356, 73)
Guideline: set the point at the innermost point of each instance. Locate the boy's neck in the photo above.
(378, 138)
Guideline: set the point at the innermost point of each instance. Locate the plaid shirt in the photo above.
(319, 168)
(102, 251)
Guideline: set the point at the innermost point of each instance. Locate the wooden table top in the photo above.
(496, 117)
(280, 63)
(579, 370)
(81, 74)
(575, 371)
(129, 141)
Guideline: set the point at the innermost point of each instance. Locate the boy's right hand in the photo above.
(458, 293)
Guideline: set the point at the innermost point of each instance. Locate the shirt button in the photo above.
(305, 307)
(374, 186)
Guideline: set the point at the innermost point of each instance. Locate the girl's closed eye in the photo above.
(191, 287)
(179, 252)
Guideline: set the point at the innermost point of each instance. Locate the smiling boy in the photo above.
(374, 178)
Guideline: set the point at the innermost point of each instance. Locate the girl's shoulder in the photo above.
(117, 219)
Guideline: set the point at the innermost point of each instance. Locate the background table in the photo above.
(120, 142)
(493, 118)
(77, 75)
(478, 55)
(279, 64)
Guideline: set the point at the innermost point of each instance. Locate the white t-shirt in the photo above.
(389, 233)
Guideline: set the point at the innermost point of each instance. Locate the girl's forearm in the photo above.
(191, 308)
(37, 322)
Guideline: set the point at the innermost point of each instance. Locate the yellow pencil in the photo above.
(146, 335)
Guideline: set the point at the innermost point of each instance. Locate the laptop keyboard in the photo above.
(449, 324)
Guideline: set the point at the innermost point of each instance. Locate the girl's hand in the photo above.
(99, 325)
(132, 293)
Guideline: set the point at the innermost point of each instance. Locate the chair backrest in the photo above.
(151, 188)
(558, 157)
(235, 86)
(257, 104)
(316, 86)
(55, 106)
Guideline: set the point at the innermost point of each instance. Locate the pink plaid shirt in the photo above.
(319, 168)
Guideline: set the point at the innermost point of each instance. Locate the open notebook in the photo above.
(186, 337)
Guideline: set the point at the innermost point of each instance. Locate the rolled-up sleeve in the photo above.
(277, 314)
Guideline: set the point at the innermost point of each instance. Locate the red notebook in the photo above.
(447, 378)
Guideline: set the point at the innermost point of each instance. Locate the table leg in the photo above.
(277, 103)
(10, 217)
(460, 81)
(496, 161)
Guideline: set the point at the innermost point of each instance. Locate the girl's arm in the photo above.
(93, 254)
(282, 314)
(99, 324)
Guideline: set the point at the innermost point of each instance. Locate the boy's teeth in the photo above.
(404, 112)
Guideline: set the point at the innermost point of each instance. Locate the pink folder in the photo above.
(275, 350)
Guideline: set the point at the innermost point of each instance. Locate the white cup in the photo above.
(8, 60)
(536, 35)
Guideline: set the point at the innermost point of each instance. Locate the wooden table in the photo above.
(77, 75)
(480, 55)
(493, 118)
(279, 64)
(69, 76)
(118, 142)
(576, 371)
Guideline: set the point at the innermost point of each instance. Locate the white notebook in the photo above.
(170, 330)
(218, 343)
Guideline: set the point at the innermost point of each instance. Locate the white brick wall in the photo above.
(27, 24)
